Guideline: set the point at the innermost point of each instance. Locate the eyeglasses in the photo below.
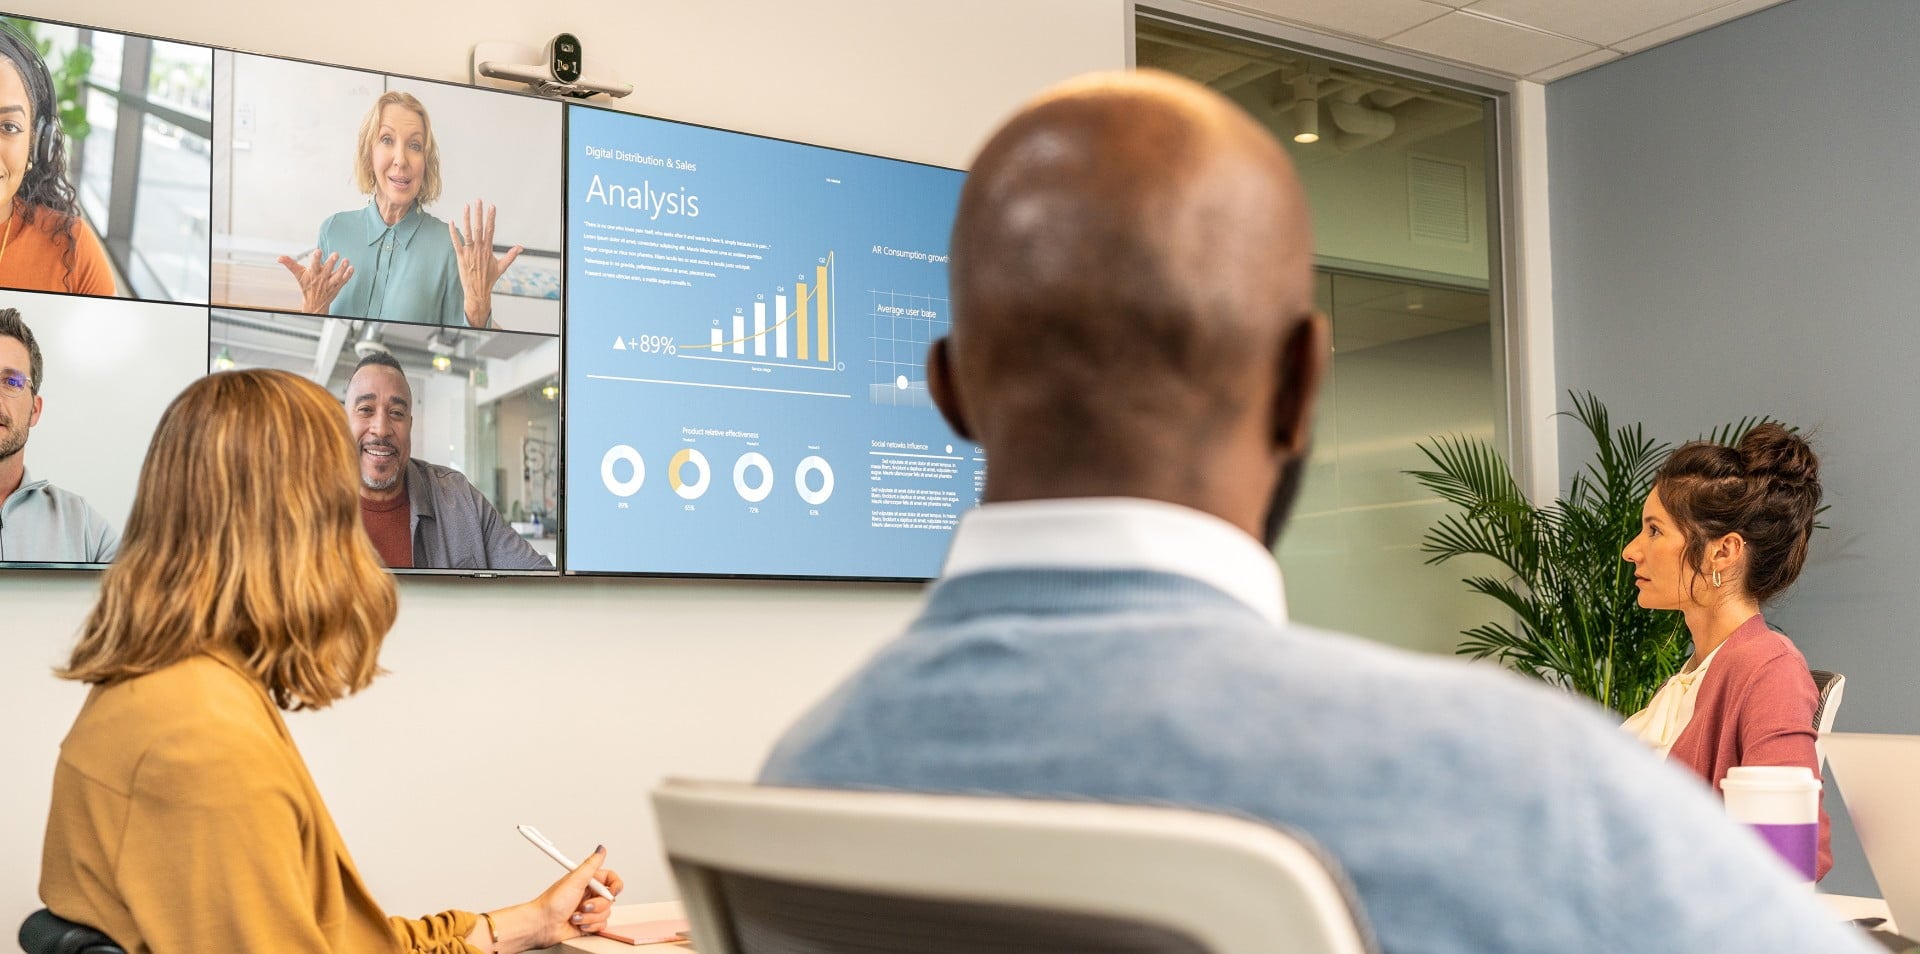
(13, 382)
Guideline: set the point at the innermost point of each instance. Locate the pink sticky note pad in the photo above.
(646, 932)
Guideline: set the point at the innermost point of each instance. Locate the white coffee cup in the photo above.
(1782, 805)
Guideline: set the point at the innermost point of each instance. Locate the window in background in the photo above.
(94, 159)
(143, 169)
(1397, 171)
(170, 206)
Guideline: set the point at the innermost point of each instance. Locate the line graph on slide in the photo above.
(901, 326)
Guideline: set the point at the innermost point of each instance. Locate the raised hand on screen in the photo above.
(479, 267)
(319, 281)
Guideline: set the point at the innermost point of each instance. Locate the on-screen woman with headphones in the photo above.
(45, 245)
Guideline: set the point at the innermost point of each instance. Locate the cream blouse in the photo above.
(1667, 715)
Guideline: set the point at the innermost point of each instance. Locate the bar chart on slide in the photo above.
(793, 325)
(901, 326)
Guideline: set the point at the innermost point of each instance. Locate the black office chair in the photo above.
(45, 932)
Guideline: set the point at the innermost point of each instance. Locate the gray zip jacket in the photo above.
(456, 528)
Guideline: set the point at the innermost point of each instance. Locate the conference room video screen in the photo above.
(193, 210)
(747, 325)
(564, 338)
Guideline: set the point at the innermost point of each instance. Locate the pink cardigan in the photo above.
(1755, 707)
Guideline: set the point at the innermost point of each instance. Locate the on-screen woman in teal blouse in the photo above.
(392, 261)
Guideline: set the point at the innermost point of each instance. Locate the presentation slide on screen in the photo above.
(747, 328)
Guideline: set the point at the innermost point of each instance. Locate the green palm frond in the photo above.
(1573, 614)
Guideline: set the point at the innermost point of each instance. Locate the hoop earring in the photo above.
(1716, 579)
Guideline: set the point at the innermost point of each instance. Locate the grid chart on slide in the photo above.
(901, 327)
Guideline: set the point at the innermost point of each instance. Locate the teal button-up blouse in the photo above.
(403, 272)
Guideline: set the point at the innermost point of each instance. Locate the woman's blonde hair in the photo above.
(245, 537)
(363, 173)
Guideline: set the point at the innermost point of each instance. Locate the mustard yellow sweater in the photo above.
(184, 820)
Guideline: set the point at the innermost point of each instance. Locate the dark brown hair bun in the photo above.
(1766, 489)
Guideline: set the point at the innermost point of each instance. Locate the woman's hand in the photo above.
(319, 281)
(479, 268)
(567, 909)
(571, 908)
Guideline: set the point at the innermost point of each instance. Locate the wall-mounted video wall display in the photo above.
(562, 337)
(747, 329)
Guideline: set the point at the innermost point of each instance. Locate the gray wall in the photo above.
(1736, 230)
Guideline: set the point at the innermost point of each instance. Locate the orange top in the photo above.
(36, 256)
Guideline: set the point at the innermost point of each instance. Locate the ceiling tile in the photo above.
(1490, 44)
(1372, 19)
(1572, 66)
(1603, 23)
(1694, 24)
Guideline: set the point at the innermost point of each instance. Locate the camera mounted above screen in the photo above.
(556, 69)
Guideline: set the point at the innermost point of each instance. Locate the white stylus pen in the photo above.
(540, 841)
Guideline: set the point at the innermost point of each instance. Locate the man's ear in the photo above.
(1304, 353)
(940, 387)
(33, 420)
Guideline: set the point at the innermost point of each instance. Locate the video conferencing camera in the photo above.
(558, 69)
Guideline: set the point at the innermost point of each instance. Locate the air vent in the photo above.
(1437, 202)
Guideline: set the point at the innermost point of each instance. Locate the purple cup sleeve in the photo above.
(1798, 844)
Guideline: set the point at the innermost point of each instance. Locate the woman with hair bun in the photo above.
(44, 244)
(1723, 531)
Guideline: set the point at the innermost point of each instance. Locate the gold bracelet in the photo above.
(493, 936)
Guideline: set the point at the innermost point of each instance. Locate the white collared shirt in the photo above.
(1120, 533)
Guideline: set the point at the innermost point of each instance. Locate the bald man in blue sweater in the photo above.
(1134, 344)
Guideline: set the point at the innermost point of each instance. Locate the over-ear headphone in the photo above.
(44, 141)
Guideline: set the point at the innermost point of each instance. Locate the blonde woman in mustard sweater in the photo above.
(183, 818)
(1724, 530)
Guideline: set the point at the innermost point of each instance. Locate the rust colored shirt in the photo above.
(36, 256)
(390, 524)
(1755, 707)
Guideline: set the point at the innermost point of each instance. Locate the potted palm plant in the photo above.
(1576, 620)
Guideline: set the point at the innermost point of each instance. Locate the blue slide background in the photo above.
(768, 212)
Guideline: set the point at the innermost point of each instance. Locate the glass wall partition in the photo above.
(1398, 171)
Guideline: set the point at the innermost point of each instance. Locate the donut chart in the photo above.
(609, 473)
(750, 463)
(693, 490)
(814, 465)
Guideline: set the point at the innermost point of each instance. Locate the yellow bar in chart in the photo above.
(820, 295)
(800, 318)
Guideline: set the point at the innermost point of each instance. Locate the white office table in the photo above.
(1844, 906)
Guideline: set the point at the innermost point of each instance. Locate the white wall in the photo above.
(559, 702)
(111, 367)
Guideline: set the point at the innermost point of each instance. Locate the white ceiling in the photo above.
(1540, 40)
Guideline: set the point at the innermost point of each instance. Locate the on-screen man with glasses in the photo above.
(39, 523)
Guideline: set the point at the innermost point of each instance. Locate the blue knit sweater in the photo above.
(1475, 812)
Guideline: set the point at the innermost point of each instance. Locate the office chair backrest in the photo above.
(47, 933)
(799, 871)
(1831, 686)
